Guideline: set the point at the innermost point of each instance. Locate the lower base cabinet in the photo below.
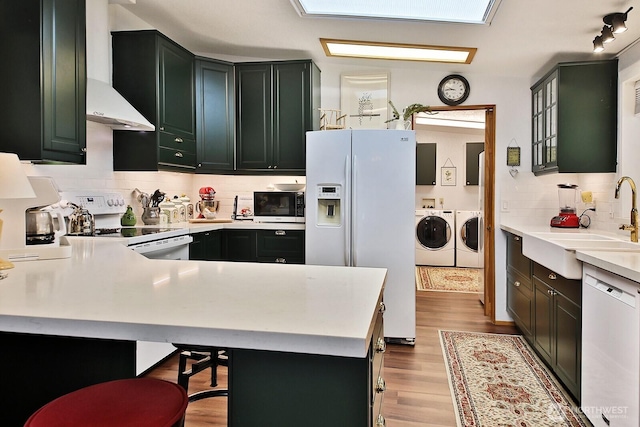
(270, 388)
(271, 246)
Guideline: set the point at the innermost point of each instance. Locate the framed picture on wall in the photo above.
(448, 175)
(364, 98)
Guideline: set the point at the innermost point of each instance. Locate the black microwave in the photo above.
(278, 206)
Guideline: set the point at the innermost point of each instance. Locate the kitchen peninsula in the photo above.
(70, 322)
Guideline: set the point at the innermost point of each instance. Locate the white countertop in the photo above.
(625, 264)
(105, 290)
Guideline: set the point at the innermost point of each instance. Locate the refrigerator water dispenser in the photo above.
(328, 208)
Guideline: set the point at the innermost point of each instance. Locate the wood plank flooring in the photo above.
(417, 388)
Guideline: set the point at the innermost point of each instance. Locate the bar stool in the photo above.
(203, 357)
(135, 402)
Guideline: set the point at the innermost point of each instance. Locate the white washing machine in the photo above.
(435, 238)
(468, 239)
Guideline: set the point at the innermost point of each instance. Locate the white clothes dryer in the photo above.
(468, 239)
(435, 238)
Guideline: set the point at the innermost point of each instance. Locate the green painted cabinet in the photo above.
(281, 246)
(240, 245)
(157, 77)
(276, 104)
(207, 246)
(574, 118)
(214, 83)
(519, 286)
(293, 389)
(426, 164)
(557, 328)
(472, 152)
(43, 80)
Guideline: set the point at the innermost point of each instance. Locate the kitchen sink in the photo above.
(557, 250)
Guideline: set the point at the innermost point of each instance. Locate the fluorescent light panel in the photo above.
(463, 11)
(407, 52)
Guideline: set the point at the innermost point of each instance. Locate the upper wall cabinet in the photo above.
(43, 80)
(472, 152)
(574, 118)
(426, 164)
(214, 116)
(157, 77)
(276, 104)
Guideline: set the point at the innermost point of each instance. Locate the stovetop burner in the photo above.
(129, 231)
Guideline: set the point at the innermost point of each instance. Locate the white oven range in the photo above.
(154, 242)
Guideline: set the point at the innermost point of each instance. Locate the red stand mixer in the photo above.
(207, 206)
(567, 218)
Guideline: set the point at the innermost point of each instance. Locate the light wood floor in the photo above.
(417, 388)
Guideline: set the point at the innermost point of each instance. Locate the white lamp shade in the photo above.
(14, 183)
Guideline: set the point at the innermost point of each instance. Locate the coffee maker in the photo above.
(567, 218)
(13, 245)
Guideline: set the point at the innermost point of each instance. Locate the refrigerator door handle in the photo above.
(347, 213)
(354, 222)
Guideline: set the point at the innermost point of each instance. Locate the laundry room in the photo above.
(449, 195)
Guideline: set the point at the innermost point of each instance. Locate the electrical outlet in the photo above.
(441, 201)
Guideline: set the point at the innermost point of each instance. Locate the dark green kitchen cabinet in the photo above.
(519, 286)
(207, 246)
(574, 118)
(156, 76)
(281, 246)
(472, 152)
(214, 116)
(240, 245)
(557, 329)
(276, 104)
(43, 80)
(426, 164)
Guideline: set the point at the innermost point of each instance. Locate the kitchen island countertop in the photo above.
(105, 290)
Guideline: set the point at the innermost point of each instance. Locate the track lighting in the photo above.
(614, 24)
(598, 46)
(617, 21)
(607, 34)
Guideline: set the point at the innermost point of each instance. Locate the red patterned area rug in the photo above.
(497, 380)
(448, 279)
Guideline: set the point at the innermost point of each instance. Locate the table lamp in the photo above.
(14, 184)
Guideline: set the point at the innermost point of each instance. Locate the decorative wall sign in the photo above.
(364, 99)
(448, 173)
(513, 156)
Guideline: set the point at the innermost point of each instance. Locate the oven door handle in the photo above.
(162, 244)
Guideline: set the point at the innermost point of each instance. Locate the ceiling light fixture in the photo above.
(598, 46)
(617, 21)
(397, 51)
(614, 24)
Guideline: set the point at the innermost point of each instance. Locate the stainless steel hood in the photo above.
(105, 105)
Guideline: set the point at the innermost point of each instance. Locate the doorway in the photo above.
(464, 117)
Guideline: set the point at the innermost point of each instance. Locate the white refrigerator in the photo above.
(360, 207)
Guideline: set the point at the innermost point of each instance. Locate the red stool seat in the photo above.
(132, 402)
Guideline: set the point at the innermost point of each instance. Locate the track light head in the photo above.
(598, 46)
(607, 34)
(617, 21)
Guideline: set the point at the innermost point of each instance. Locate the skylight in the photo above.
(464, 11)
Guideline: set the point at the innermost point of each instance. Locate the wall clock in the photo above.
(453, 89)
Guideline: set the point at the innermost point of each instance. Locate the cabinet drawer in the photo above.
(572, 289)
(176, 151)
(174, 142)
(280, 246)
(516, 262)
(520, 303)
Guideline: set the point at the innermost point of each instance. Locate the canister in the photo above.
(168, 208)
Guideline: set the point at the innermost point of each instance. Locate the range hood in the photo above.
(105, 105)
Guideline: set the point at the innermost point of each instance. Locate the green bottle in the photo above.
(128, 218)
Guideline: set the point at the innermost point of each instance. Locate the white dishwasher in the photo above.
(610, 349)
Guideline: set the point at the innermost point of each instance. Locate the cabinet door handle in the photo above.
(380, 385)
(381, 346)
(552, 276)
(178, 139)
(84, 149)
(552, 292)
(281, 260)
(269, 167)
(380, 421)
(162, 128)
(516, 238)
(516, 284)
(281, 233)
(178, 155)
(383, 308)
(275, 167)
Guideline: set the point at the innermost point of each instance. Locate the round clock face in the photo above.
(453, 89)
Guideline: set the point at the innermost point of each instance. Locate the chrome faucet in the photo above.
(633, 227)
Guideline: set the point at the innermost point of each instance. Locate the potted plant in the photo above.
(407, 113)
